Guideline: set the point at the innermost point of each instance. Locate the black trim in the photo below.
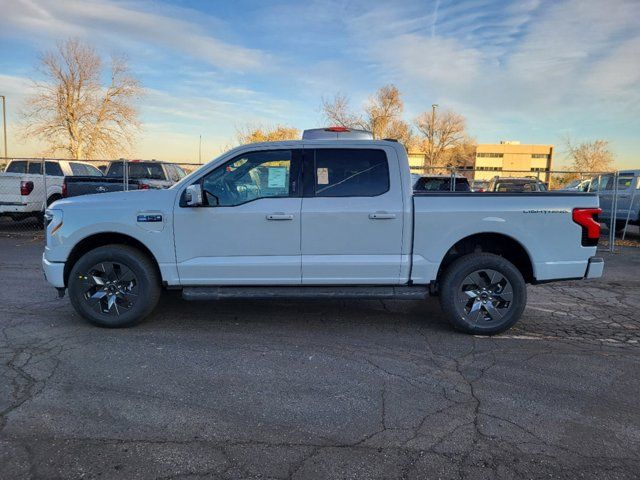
(418, 193)
(308, 177)
(542, 282)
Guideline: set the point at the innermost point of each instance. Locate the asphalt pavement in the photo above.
(341, 389)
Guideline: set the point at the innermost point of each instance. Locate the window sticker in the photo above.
(323, 176)
(277, 177)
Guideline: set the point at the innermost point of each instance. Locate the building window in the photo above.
(538, 169)
(490, 155)
(489, 169)
(539, 155)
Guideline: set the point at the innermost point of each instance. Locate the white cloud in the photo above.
(121, 23)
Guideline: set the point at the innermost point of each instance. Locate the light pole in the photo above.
(431, 131)
(4, 124)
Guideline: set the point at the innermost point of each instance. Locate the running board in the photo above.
(345, 292)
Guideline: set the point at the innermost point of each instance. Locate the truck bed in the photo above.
(541, 222)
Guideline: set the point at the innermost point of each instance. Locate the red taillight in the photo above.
(26, 188)
(336, 129)
(143, 186)
(587, 218)
(64, 189)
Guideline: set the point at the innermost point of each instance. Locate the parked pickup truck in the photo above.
(22, 187)
(627, 201)
(142, 175)
(319, 218)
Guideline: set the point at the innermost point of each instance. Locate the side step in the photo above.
(321, 293)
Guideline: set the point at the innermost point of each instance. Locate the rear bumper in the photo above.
(53, 272)
(14, 207)
(595, 268)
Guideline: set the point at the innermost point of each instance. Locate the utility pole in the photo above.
(431, 132)
(200, 150)
(4, 123)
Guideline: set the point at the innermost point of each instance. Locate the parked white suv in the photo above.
(24, 190)
(333, 218)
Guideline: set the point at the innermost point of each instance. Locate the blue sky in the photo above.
(531, 70)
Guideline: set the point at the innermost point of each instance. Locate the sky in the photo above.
(532, 70)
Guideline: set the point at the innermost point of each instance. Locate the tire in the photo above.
(114, 286)
(482, 294)
(53, 198)
(620, 226)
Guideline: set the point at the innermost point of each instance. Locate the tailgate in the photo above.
(90, 185)
(10, 189)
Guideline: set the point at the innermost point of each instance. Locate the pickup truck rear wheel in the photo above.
(483, 293)
(114, 286)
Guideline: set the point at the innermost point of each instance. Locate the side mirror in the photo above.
(193, 195)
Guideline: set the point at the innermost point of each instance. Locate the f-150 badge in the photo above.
(149, 218)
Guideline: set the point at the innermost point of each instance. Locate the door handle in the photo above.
(382, 216)
(279, 216)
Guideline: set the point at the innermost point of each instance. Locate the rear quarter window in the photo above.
(350, 172)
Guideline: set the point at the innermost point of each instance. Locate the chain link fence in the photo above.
(29, 184)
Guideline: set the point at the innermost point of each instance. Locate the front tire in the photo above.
(483, 294)
(114, 286)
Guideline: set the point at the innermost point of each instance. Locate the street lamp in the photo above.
(4, 123)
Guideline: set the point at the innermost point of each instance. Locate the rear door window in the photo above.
(17, 166)
(350, 172)
(35, 167)
(624, 183)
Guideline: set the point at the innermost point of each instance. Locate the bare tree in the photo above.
(382, 115)
(253, 134)
(462, 154)
(441, 132)
(72, 112)
(337, 112)
(593, 156)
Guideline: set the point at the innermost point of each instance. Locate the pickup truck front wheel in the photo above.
(483, 294)
(114, 286)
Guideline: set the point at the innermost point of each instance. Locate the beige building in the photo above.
(512, 159)
(504, 159)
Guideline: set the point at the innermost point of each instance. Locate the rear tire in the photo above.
(114, 286)
(483, 294)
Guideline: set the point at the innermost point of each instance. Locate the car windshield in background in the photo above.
(441, 184)
(515, 186)
(139, 170)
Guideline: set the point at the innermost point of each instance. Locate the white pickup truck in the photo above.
(24, 190)
(329, 216)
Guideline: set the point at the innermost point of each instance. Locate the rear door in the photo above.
(352, 217)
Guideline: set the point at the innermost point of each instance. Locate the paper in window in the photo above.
(323, 176)
(277, 177)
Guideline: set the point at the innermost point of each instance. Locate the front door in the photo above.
(248, 232)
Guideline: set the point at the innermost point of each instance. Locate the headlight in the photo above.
(53, 220)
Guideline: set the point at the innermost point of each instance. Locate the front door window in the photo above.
(251, 176)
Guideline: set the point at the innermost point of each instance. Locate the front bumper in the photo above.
(53, 272)
(595, 267)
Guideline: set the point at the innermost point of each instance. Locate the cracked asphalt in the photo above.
(344, 389)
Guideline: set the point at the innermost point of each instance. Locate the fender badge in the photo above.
(149, 218)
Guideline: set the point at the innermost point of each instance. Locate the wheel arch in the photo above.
(491, 242)
(100, 240)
